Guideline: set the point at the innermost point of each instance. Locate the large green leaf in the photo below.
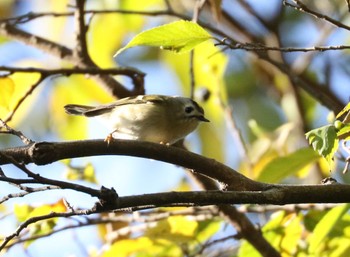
(180, 36)
(282, 167)
(324, 140)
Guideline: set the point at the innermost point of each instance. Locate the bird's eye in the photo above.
(189, 109)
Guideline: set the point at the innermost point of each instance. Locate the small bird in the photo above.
(153, 118)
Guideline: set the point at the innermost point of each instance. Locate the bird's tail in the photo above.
(75, 109)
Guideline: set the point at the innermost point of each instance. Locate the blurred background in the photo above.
(259, 103)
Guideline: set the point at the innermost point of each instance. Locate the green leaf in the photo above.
(324, 140)
(282, 167)
(325, 226)
(180, 37)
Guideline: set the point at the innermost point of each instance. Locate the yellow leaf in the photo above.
(143, 246)
(105, 36)
(7, 87)
(177, 229)
(23, 84)
(126, 247)
(22, 211)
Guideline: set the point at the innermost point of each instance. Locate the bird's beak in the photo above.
(202, 118)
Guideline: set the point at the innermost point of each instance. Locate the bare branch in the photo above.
(202, 213)
(28, 190)
(17, 133)
(67, 54)
(45, 152)
(47, 181)
(303, 8)
(36, 219)
(262, 48)
(81, 49)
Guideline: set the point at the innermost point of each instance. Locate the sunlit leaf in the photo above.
(143, 246)
(102, 45)
(22, 211)
(325, 226)
(180, 36)
(7, 88)
(23, 84)
(324, 140)
(293, 230)
(282, 167)
(178, 229)
(338, 247)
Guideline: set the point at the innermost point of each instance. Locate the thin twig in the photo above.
(17, 133)
(216, 241)
(53, 48)
(135, 75)
(33, 220)
(203, 213)
(127, 71)
(263, 48)
(28, 190)
(303, 8)
(43, 180)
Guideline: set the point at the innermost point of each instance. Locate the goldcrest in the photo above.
(153, 118)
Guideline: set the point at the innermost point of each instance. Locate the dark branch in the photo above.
(47, 152)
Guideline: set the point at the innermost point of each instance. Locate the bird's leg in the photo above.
(109, 137)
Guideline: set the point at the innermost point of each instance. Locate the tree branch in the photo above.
(42, 153)
(67, 54)
(45, 153)
(303, 8)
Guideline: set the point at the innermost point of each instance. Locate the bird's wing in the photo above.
(90, 111)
